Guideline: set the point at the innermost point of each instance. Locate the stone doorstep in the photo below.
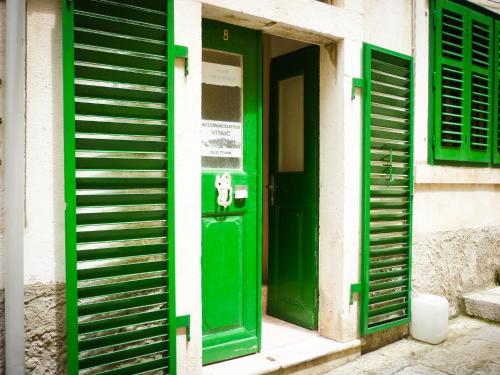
(484, 304)
(314, 356)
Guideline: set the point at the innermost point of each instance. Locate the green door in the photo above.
(293, 205)
(231, 191)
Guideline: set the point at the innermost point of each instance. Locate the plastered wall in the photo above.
(44, 192)
(188, 184)
(2, 75)
(44, 236)
(387, 24)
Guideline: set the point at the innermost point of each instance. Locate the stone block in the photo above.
(484, 304)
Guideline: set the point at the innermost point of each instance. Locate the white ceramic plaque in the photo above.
(221, 75)
(220, 139)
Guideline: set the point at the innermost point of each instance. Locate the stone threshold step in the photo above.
(311, 357)
(484, 304)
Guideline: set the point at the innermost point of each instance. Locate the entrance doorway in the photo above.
(234, 180)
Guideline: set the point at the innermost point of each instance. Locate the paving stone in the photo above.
(490, 333)
(420, 370)
(473, 347)
(488, 368)
(460, 360)
(370, 362)
(406, 347)
(348, 370)
(462, 329)
(392, 367)
(482, 350)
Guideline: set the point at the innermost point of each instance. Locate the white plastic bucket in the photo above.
(429, 318)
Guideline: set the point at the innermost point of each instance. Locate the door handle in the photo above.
(271, 188)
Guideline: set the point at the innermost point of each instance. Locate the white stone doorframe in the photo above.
(340, 190)
(340, 153)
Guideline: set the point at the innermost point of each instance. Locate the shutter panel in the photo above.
(118, 182)
(450, 87)
(496, 106)
(463, 91)
(387, 189)
(481, 87)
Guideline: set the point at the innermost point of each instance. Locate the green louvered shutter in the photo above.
(118, 86)
(481, 87)
(387, 189)
(496, 105)
(450, 83)
(463, 84)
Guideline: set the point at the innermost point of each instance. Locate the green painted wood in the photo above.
(496, 99)
(387, 190)
(231, 280)
(99, 325)
(293, 211)
(463, 106)
(118, 57)
(70, 188)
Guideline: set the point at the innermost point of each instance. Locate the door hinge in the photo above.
(184, 321)
(434, 141)
(434, 81)
(355, 289)
(357, 83)
(434, 18)
(182, 52)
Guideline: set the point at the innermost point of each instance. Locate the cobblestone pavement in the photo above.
(472, 347)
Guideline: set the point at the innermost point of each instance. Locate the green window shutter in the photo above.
(481, 87)
(463, 106)
(496, 105)
(387, 189)
(450, 85)
(118, 85)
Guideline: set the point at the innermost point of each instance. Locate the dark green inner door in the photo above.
(230, 132)
(293, 205)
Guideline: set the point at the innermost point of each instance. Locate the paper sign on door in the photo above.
(220, 139)
(221, 74)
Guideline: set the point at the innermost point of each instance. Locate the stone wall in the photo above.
(455, 262)
(2, 331)
(45, 325)
(45, 319)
